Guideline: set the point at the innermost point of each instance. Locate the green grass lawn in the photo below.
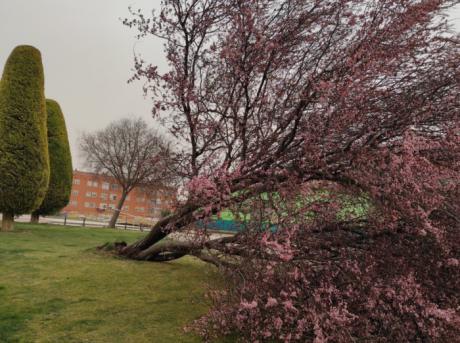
(55, 288)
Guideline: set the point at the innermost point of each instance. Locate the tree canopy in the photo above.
(60, 185)
(129, 151)
(24, 161)
(296, 98)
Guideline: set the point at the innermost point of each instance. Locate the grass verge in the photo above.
(55, 288)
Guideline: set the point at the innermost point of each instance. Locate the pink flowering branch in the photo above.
(282, 111)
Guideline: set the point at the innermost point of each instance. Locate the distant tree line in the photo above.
(35, 159)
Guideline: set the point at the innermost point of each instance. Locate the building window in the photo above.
(127, 197)
(105, 185)
(112, 206)
(73, 203)
(158, 201)
(140, 199)
(114, 186)
(90, 204)
(92, 183)
(76, 181)
(113, 197)
(103, 195)
(140, 209)
(91, 194)
(103, 206)
(74, 192)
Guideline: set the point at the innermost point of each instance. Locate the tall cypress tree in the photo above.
(24, 161)
(60, 185)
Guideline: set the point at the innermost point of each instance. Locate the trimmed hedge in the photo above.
(24, 161)
(58, 194)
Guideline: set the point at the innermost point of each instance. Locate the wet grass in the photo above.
(55, 288)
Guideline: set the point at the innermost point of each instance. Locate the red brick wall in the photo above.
(90, 195)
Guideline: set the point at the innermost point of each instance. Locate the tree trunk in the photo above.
(181, 218)
(34, 218)
(189, 213)
(7, 222)
(160, 230)
(116, 213)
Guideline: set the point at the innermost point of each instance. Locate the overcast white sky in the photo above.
(87, 55)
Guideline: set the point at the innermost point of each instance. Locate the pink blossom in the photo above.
(288, 305)
(278, 323)
(453, 262)
(248, 305)
(271, 302)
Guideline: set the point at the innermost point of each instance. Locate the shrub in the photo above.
(24, 161)
(60, 184)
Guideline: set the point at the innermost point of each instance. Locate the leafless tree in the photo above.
(131, 152)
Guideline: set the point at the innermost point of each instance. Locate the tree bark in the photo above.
(7, 222)
(172, 250)
(189, 213)
(34, 218)
(160, 230)
(184, 216)
(116, 213)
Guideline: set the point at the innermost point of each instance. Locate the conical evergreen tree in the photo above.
(24, 161)
(60, 185)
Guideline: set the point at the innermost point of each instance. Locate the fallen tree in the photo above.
(265, 93)
(278, 102)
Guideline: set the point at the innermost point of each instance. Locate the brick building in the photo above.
(96, 196)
